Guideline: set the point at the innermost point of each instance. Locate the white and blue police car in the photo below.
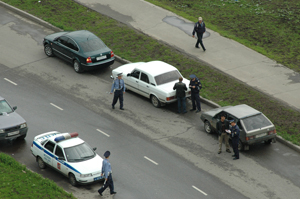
(69, 155)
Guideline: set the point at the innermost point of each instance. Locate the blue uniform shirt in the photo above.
(197, 85)
(235, 131)
(115, 85)
(106, 168)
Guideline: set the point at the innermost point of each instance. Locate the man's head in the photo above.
(222, 118)
(200, 19)
(120, 76)
(193, 77)
(180, 79)
(232, 122)
(107, 154)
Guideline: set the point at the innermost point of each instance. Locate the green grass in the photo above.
(136, 46)
(18, 182)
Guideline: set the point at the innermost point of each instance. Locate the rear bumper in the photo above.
(98, 65)
(261, 139)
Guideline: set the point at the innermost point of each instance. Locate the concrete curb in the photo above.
(124, 61)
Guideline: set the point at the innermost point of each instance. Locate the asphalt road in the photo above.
(156, 153)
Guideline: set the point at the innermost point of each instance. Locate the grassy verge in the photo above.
(271, 27)
(19, 182)
(135, 46)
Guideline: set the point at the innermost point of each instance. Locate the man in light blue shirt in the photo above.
(106, 170)
(119, 87)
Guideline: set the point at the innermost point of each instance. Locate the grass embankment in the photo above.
(135, 46)
(271, 27)
(18, 182)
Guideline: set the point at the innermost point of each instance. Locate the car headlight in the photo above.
(85, 175)
(23, 125)
(1, 130)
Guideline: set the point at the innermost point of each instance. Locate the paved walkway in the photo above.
(226, 55)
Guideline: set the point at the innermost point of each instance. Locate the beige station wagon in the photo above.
(254, 126)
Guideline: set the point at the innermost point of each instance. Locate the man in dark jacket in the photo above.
(199, 28)
(180, 88)
(235, 137)
(195, 86)
(222, 126)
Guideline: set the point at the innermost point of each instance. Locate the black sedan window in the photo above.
(4, 107)
(71, 44)
(79, 153)
(167, 77)
(256, 122)
(63, 40)
(91, 44)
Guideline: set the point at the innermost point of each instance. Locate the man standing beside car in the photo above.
(180, 88)
(222, 126)
(235, 137)
(195, 86)
(119, 87)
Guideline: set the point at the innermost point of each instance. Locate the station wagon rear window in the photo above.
(256, 122)
(167, 77)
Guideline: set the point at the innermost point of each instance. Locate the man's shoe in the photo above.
(112, 106)
(122, 109)
(228, 151)
(219, 152)
(204, 50)
(196, 46)
(184, 112)
(197, 111)
(113, 193)
(100, 193)
(192, 109)
(236, 158)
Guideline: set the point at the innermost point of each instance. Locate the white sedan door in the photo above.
(144, 86)
(132, 81)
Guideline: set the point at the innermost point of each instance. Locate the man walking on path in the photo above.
(180, 88)
(199, 28)
(106, 170)
(222, 126)
(119, 87)
(195, 86)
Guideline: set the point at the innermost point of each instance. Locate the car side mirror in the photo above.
(129, 74)
(95, 148)
(15, 107)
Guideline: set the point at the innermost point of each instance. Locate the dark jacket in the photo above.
(235, 132)
(197, 85)
(199, 28)
(180, 88)
(219, 126)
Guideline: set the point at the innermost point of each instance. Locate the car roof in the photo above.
(241, 111)
(68, 142)
(80, 35)
(156, 67)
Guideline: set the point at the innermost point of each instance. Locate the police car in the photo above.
(69, 155)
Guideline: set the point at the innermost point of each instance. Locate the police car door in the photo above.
(59, 160)
(48, 152)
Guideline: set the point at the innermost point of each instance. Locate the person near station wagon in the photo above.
(235, 137)
(195, 86)
(180, 88)
(119, 87)
(222, 126)
(199, 29)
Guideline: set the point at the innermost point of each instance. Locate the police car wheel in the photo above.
(155, 101)
(207, 127)
(72, 179)
(41, 163)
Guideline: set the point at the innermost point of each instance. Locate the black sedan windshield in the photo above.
(4, 107)
(79, 153)
(167, 77)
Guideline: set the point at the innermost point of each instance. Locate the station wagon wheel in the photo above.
(48, 50)
(77, 67)
(41, 163)
(241, 146)
(207, 127)
(268, 141)
(155, 101)
(72, 179)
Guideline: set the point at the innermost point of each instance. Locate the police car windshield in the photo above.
(4, 107)
(79, 153)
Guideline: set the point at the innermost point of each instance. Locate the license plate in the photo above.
(100, 58)
(260, 135)
(98, 178)
(13, 133)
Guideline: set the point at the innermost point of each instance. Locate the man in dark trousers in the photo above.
(119, 87)
(195, 86)
(180, 88)
(222, 126)
(199, 28)
(235, 137)
(106, 170)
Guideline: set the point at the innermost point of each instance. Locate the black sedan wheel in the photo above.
(48, 50)
(207, 127)
(72, 179)
(41, 163)
(77, 67)
(155, 101)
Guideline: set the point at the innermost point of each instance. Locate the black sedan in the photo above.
(82, 48)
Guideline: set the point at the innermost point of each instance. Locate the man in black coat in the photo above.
(200, 29)
(180, 88)
(222, 126)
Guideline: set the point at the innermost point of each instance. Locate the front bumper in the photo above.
(88, 180)
(5, 136)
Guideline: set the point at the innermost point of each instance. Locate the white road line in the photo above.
(11, 81)
(57, 107)
(103, 133)
(151, 160)
(200, 190)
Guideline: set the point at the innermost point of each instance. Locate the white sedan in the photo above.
(69, 155)
(154, 80)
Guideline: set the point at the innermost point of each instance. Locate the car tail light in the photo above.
(88, 60)
(170, 98)
(272, 132)
(250, 137)
(112, 54)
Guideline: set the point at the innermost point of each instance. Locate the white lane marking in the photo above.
(200, 190)
(57, 107)
(151, 160)
(11, 81)
(103, 133)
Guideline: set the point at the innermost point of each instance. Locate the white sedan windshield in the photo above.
(79, 153)
(167, 77)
